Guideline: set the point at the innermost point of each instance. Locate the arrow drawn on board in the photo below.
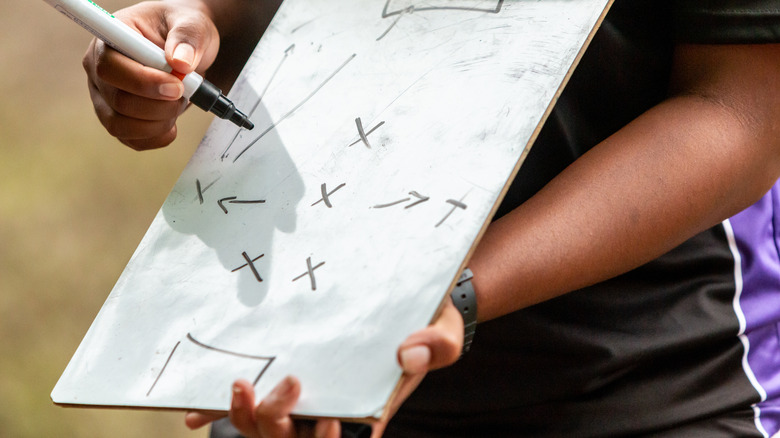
(235, 200)
(296, 107)
(420, 200)
(287, 53)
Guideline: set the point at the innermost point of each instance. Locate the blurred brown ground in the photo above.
(74, 203)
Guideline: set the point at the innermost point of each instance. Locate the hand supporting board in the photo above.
(313, 245)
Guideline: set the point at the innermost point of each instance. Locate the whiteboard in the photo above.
(314, 244)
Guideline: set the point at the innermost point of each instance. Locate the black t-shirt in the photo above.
(653, 352)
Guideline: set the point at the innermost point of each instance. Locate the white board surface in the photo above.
(313, 245)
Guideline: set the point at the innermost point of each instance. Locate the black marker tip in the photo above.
(209, 98)
(241, 120)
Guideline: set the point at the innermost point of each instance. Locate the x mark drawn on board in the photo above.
(455, 205)
(268, 359)
(363, 134)
(412, 8)
(251, 264)
(310, 272)
(326, 195)
(201, 190)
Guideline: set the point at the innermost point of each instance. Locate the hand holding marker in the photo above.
(127, 41)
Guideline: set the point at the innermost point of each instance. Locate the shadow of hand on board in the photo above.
(234, 207)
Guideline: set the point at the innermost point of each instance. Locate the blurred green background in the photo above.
(74, 203)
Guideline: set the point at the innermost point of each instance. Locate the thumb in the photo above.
(192, 42)
(435, 346)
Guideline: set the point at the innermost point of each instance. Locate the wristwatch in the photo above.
(465, 300)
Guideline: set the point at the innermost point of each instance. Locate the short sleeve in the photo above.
(727, 21)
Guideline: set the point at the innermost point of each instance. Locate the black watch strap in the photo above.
(465, 300)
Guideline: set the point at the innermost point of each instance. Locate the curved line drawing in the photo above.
(413, 8)
(268, 359)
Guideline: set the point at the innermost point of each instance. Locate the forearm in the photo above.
(682, 167)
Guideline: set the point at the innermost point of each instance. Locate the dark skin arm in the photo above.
(707, 152)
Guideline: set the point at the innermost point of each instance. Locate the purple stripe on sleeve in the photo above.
(757, 235)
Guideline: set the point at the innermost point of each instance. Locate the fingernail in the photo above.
(236, 403)
(184, 53)
(173, 91)
(415, 359)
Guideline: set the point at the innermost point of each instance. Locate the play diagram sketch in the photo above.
(178, 365)
(386, 133)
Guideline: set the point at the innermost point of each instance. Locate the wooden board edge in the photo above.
(513, 175)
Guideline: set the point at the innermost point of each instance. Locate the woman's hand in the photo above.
(139, 105)
(271, 418)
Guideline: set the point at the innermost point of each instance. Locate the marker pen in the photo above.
(127, 41)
